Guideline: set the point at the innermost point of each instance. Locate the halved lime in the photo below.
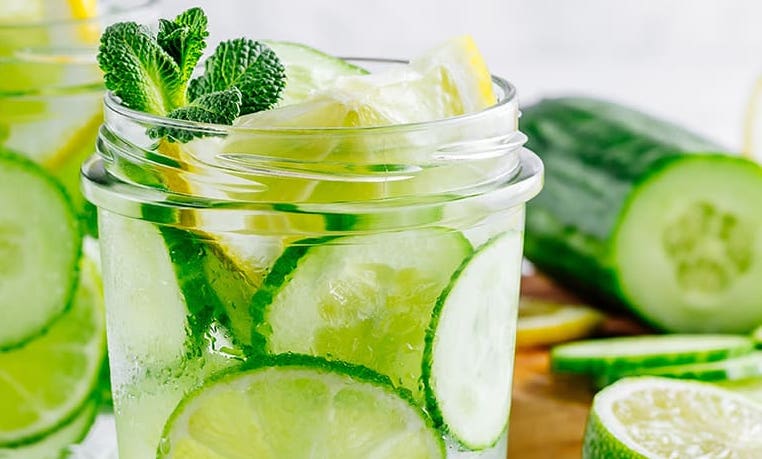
(291, 407)
(44, 383)
(749, 387)
(665, 418)
(546, 322)
(54, 444)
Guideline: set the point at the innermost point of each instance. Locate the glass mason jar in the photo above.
(51, 88)
(328, 291)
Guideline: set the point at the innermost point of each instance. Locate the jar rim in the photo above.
(506, 101)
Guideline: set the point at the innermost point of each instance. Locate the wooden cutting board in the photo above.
(549, 411)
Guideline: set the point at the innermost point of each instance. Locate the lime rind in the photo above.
(309, 368)
(757, 336)
(622, 354)
(675, 414)
(52, 395)
(54, 444)
(71, 242)
(745, 366)
(458, 372)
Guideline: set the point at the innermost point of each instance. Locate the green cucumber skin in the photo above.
(595, 154)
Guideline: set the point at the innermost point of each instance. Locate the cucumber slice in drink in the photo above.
(47, 381)
(617, 355)
(308, 70)
(143, 293)
(468, 360)
(665, 418)
(292, 406)
(361, 299)
(39, 250)
(55, 444)
(745, 366)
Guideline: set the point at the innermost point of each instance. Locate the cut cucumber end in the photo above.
(468, 359)
(40, 245)
(688, 248)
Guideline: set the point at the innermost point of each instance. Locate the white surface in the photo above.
(692, 61)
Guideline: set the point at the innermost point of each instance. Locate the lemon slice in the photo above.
(664, 418)
(752, 139)
(545, 322)
(450, 80)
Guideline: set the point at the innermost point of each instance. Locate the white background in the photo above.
(691, 61)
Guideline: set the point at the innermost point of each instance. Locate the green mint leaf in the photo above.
(184, 38)
(221, 107)
(138, 71)
(250, 66)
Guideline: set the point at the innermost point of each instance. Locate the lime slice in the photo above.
(308, 70)
(665, 418)
(362, 299)
(546, 322)
(295, 407)
(44, 383)
(55, 444)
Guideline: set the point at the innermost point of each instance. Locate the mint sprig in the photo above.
(153, 74)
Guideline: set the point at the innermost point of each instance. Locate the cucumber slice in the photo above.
(468, 360)
(702, 246)
(47, 381)
(295, 407)
(146, 305)
(308, 69)
(55, 444)
(618, 355)
(361, 299)
(39, 250)
(745, 366)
